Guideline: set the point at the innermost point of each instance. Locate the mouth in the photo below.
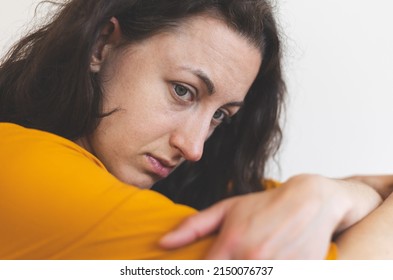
(160, 167)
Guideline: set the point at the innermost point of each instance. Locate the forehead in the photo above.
(206, 44)
(209, 44)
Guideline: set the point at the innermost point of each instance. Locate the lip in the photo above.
(160, 167)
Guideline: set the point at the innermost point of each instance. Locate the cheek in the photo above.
(143, 112)
(135, 128)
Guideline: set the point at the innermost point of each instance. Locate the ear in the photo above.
(110, 37)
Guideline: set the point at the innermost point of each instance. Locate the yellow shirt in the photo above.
(57, 201)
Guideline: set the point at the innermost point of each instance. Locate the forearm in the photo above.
(361, 198)
(371, 238)
(348, 201)
(383, 184)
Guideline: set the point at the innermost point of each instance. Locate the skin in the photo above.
(168, 93)
(180, 85)
(295, 221)
(383, 184)
(371, 238)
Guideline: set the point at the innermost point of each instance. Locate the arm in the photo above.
(372, 237)
(58, 202)
(383, 184)
(296, 220)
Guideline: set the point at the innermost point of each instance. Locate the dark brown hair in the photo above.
(46, 83)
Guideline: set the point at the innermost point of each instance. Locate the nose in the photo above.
(189, 137)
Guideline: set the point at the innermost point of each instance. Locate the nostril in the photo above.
(189, 137)
(190, 149)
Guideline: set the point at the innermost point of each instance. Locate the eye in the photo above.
(183, 92)
(221, 116)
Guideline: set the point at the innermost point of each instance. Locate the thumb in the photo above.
(196, 227)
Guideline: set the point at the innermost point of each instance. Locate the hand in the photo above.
(294, 221)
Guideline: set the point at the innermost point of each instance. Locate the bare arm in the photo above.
(296, 220)
(371, 238)
(383, 184)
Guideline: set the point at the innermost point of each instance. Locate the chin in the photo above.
(142, 181)
(132, 178)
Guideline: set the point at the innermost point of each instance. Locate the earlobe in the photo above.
(110, 36)
(95, 64)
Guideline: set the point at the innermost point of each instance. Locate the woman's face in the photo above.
(170, 92)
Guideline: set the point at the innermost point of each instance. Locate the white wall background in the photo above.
(339, 63)
(339, 68)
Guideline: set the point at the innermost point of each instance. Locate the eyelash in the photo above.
(176, 86)
(225, 119)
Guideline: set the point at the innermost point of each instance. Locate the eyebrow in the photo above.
(234, 104)
(204, 78)
(210, 85)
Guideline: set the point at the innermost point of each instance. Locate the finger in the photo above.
(234, 244)
(196, 227)
(233, 240)
(224, 248)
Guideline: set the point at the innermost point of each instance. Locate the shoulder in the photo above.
(52, 187)
(40, 162)
(28, 142)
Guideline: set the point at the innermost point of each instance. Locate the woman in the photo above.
(111, 97)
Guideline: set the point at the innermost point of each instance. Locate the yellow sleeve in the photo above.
(58, 202)
(332, 253)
